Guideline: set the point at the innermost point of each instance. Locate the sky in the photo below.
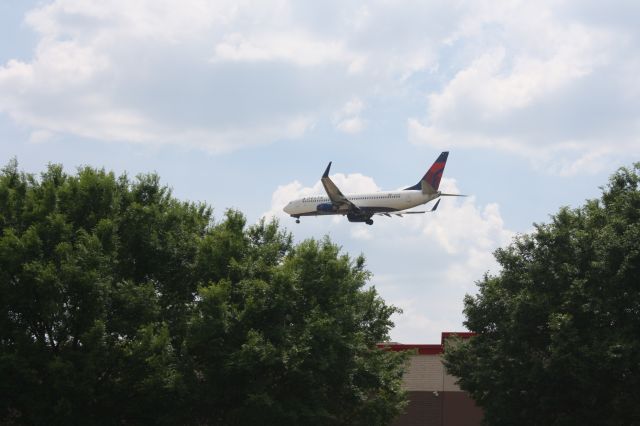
(242, 104)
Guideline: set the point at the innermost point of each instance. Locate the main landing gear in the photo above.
(359, 217)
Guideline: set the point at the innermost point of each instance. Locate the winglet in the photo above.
(326, 172)
(335, 195)
(436, 205)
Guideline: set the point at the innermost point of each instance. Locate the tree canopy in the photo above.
(558, 329)
(120, 304)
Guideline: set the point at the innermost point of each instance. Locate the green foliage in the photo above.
(121, 304)
(559, 328)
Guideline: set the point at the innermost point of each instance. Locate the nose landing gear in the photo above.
(297, 220)
(369, 222)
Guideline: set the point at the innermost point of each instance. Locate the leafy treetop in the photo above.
(121, 304)
(558, 328)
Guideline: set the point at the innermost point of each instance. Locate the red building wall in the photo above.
(434, 396)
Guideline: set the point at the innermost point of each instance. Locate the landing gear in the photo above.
(297, 220)
(360, 217)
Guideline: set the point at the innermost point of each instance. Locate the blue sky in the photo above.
(242, 105)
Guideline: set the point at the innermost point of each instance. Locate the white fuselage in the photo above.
(375, 202)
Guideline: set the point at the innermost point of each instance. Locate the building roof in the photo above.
(426, 349)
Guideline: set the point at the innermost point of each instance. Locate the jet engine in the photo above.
(326, 207)
(353, 217)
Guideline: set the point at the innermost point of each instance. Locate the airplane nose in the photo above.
(287, 208)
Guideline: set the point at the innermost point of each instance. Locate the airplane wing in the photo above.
(335, 195)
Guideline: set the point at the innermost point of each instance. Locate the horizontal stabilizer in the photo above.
(452, 195)
(400, 213)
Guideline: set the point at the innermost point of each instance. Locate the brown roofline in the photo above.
(426, 349)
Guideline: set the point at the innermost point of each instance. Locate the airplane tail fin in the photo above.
(431, 180)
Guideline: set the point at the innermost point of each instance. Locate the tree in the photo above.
(558, 329)
(121, 304)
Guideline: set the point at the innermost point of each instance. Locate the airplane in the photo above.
(362, 207)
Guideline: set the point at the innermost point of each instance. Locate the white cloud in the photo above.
(361, 233)
(353, 107)
(522, 88)
(351, 125)
(216, 76)
(298, 49)
(348, 118)
(416, 325)
(40, 136)
(551, 81)
(460, 221)
(213, 75)
(436, 257)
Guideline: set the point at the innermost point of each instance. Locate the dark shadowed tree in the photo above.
(559, 327)
(121, 305)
